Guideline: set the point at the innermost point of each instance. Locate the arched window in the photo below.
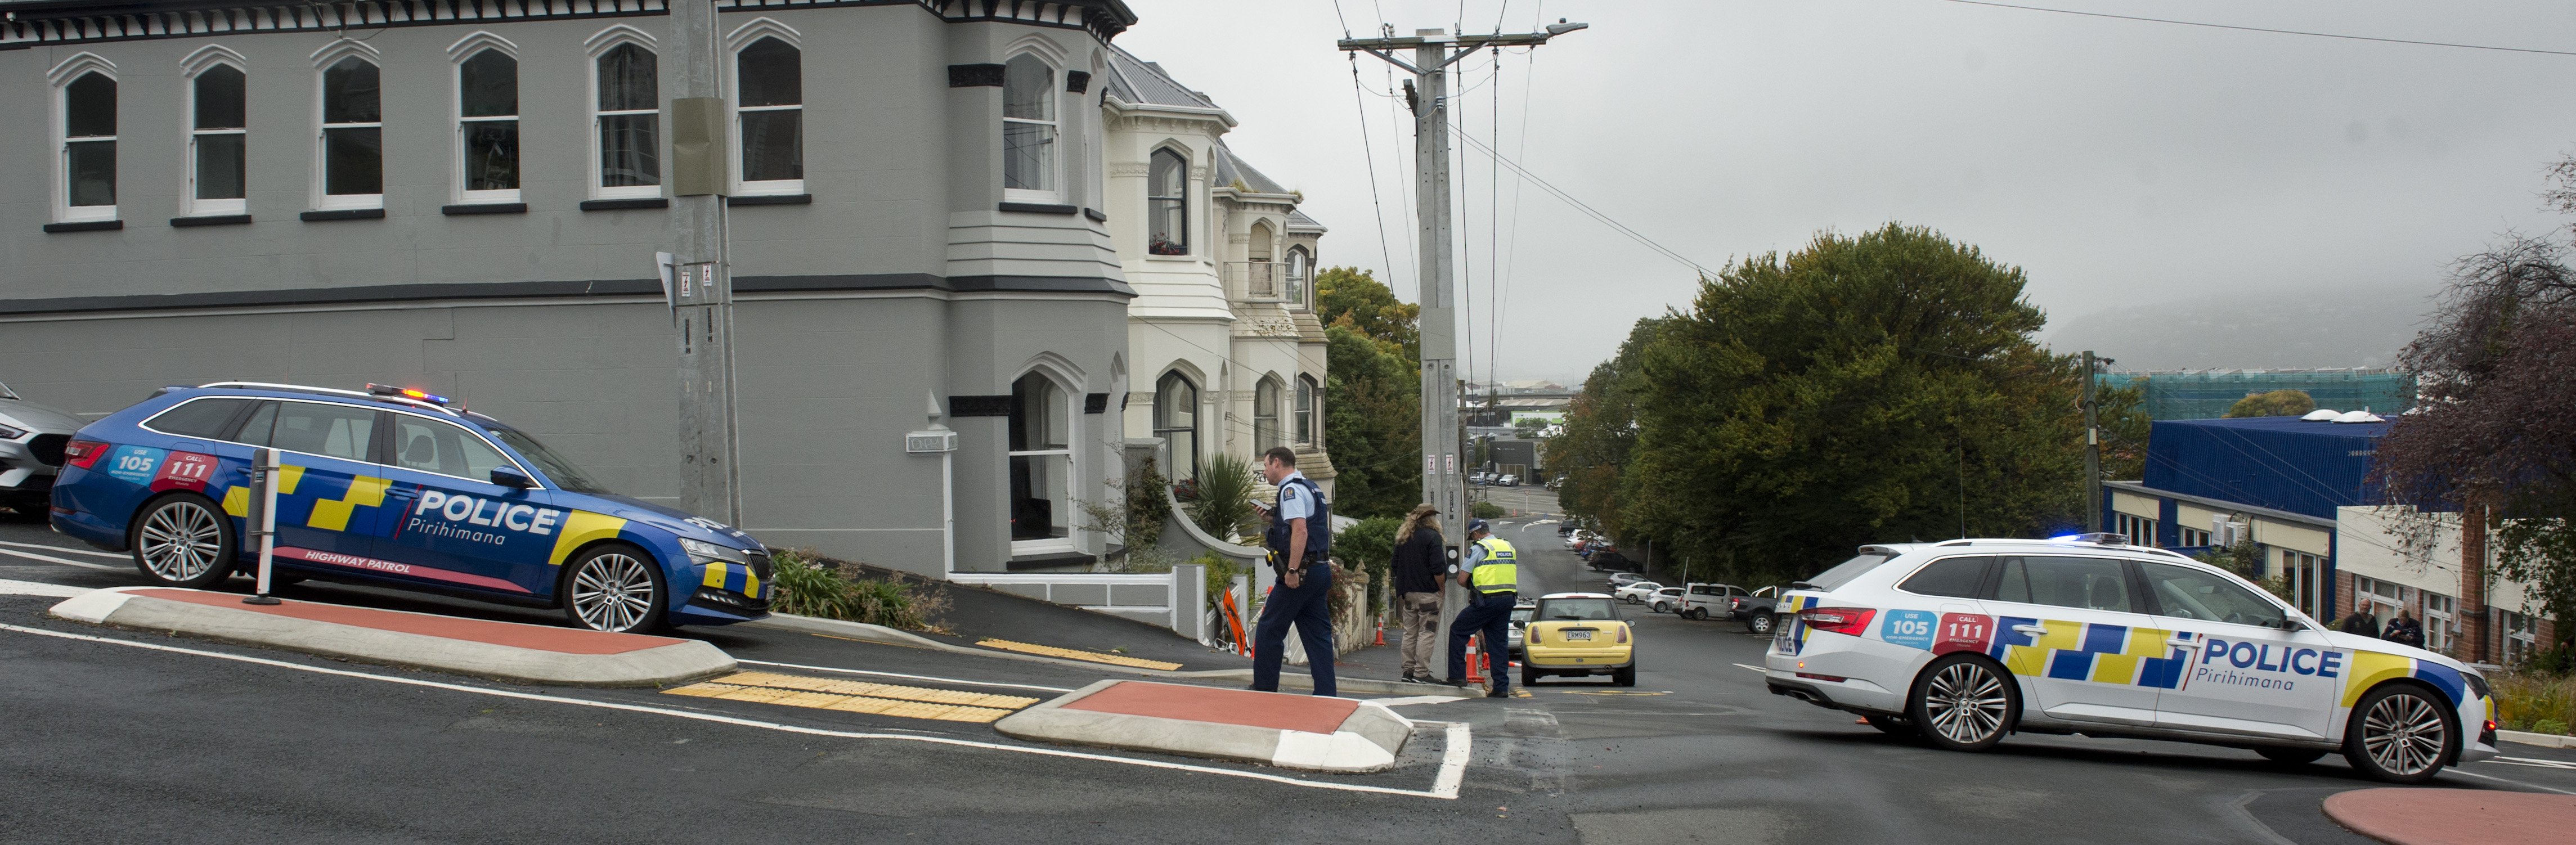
(487, 126)
(217, 132)
(1176, 420)
(1028, 128)
(1265, 414)
(769, 90)
(1041, 461)
(1167, 222)
(89, 147)
(627, 79)
(353, 128)
(1306, 416)
(1299, 265)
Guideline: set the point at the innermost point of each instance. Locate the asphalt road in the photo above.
(135, 736)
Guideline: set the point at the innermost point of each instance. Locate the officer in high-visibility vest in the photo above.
(1491, 574)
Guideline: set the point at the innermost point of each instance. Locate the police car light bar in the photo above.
(2104, 538)
(390, 390)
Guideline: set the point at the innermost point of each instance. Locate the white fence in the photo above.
(1173, 600)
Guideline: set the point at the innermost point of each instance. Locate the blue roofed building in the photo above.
(2299, 491)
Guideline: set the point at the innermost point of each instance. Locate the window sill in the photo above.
(343, 214)
(623, 204)
(1189, 258)
(210, 220)
(771, 199)
(484, 208)
(85, 226)
(1039, 208)
(1095, 215)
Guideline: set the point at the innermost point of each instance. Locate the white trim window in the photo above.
(1176, 421)
(627, 111)
(2305, 573)
(2140, 530)
(2190, 538)
(1265, 414)
(2441, 621)
(1029, 131)
(1307, 393)
(769, 117)
(351, 151)
(85, 134)
(1167, 203)
(1041, 456)
(1299, 267)
(2521, 637)
(218, 141)
(487, 127)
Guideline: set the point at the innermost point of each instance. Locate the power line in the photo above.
(1588, 210)
(2267, 29)
(1368, 153)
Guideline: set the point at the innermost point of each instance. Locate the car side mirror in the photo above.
(511, 477)
(2289, 625)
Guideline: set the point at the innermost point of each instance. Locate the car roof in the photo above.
(2068, 544)
(325, 394)
(1574, 596)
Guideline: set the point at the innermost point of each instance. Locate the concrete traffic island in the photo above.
(503, 650)
(2401, 816)
(1280, 729)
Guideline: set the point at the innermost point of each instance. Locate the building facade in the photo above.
(2298, 491)
(466, 196)
(1228, 352)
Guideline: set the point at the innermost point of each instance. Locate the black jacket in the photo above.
(2359, 623)
(1419, 562)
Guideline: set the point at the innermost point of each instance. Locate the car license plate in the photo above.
(1783, 643)
(1578, 636)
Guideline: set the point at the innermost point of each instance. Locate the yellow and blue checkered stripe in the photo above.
(2088, 651)
(733, 578)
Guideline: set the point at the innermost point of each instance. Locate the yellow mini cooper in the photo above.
(1578, 634)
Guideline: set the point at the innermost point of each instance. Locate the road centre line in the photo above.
(2464, 770)
(51, 559)
(902, 675)
(89, 552)
(1453, 762)
(2533, 762)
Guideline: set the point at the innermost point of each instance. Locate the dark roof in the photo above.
(1299, 220)
(1230, 170)
(1138, 81)
(2282, 463)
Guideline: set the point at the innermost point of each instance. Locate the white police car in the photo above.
(1965, 641)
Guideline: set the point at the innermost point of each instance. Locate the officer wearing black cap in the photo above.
(1491, 576)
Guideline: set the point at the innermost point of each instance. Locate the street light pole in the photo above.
(1443, 485)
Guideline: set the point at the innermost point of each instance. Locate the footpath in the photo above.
(2401, 816)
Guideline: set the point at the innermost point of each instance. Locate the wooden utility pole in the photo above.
(2092, 454)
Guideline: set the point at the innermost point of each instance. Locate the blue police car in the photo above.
(391, 487)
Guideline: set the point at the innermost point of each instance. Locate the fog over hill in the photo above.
(2355, 326)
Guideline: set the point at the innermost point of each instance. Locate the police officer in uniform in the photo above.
(1301, 533)
(1491, 575)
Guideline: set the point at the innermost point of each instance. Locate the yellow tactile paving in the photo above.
(857, 697)
(1073, 654)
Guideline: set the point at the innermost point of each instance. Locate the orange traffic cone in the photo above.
(1475, 665)
(1381, 632)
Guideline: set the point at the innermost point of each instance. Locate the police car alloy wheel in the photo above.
(1963, 704)
(2399, 733)
(183, 541)
(614, 588)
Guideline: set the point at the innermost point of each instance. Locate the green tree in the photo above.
(1878, 387)
(2123, 414)
(2277, 403)
(1591, 452)
(1349, 296)
(1372, 424)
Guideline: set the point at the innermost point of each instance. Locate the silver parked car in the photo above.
(32, 437)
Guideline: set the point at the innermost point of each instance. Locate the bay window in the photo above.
(218, 141)
(1028, 130)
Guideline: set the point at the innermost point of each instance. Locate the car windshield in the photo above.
(1577, 609)
(1521, 615)
(564, 473)
(1843, 572)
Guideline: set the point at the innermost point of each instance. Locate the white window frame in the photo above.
(1053, 193)
(742, 39)
(324, 59)
(2187, 537)
(600, 45)
(462, 51)
(58, 130)
(2140, 530)
(2521, 636)
(2441, 621)
(1301, 278)
(1310, 409)
(2306, 573)
(1189, 243)
(197, 64)
(1276, 391)
(1069, 463)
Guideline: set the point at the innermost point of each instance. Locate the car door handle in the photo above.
(2178, 642)
(2033, 630)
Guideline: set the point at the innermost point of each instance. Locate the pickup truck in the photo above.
(1753, 607)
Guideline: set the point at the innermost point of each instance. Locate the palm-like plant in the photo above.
(1226, 486)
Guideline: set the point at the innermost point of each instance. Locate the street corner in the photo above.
(501, 650)
(1315, 733)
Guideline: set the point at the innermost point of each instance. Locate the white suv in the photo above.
(1962, 642)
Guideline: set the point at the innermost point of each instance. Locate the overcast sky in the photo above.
(2120, 163)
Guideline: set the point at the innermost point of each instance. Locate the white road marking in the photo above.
(2511, 781)
(1753, 667)
(90, 552)
(1453, 761)
(66, 562)
(37, 588)
(2531, 761)
(1413, 699)
(902, 675)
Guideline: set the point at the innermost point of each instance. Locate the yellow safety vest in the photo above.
(1500, 571)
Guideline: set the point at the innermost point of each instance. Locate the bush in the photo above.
(1146, 507)
(2535, 701)
(1370, 547)
(808, 584)
(1486, 510)
(1225, 490)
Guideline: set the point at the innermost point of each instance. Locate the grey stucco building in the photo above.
(466, 196)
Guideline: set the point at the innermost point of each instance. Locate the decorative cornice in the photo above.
(38, 23)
